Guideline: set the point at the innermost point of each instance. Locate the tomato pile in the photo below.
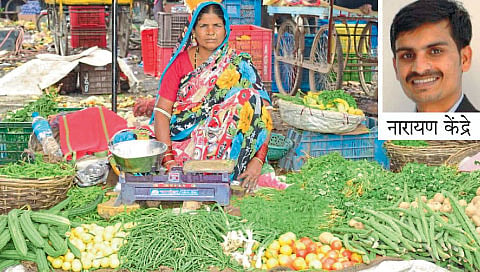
(306, 253)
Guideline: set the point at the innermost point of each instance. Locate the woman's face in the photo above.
(210, 31)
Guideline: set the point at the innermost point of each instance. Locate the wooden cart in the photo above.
(325, 61)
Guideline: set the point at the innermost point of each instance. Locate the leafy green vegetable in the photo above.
(410, 143)
(45, 106)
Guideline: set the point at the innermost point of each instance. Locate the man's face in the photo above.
(429, 67)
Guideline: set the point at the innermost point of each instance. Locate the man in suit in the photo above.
(430, 40)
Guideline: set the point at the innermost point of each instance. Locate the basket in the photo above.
(322, 121)
(278, 147)
(458, 157)
(435, 154)
(37, 193)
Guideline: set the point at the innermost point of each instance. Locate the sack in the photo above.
(321, 121)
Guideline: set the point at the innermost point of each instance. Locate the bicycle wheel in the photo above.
(328, 74)
(14, 6)
(43, 22)
(368, 69)
(288, 49)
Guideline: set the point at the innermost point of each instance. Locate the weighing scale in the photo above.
(199, 180)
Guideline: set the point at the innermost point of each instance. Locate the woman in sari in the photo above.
(212, 103)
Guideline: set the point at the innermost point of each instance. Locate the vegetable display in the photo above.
(336, 100)
(20, 238)
(189, 241)
(37, 169)
(327, 253)
(91, 246)
(45, 105)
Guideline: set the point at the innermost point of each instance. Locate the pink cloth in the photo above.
(86, 134)
(181, 66)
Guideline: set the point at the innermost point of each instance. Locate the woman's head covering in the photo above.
(187, 37)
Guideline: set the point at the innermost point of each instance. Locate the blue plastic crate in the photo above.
(313, 144)
(244, 12)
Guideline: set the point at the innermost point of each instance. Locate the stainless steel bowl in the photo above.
(138, 156)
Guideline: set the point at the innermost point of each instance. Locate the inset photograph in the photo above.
(430, 50)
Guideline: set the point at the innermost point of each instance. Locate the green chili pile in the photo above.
(37, 169)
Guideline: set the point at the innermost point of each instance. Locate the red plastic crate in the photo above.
(87, 16)
(85, 38)
(149, 51)
(257, 41)
(164, 55)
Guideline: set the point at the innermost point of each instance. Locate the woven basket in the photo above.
(37, 193)
(456, 158)
(278, 147)
(322, 121)
(436, 153)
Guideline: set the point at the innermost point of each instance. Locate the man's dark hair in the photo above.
(421, 12)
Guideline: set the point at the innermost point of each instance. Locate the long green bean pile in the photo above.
(37, 169)
(184, 242)
(330, 190)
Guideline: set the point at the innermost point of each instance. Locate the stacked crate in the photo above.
(88, 26)
(170, 28)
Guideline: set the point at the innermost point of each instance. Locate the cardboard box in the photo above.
(28, 17)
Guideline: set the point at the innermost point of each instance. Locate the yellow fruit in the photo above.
(105, 262)
(286, 250)
(86, 263)
(76, 265)
(66, 266)
(284, 260)
(275, 245)
(69, 257)
(114, 261)
(271, 263)
(57, 263)
(96, 263)
(271, 253)
(315, 264)
(310, 257)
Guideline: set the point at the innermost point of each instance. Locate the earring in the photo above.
(193, 36)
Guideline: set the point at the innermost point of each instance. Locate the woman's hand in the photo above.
(250, 176)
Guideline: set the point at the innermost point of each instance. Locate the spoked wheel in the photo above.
(43, 22)
(14, 6)
(288, 51)
(60, 35)
(368, 69)
(327, 74)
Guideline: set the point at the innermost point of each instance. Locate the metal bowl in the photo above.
(138, 156)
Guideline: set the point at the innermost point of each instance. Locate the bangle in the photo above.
(259, 160)
(164, 112)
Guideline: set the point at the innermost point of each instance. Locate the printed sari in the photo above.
(220, 111)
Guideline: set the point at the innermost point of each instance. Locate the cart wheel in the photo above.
(368, 69)
(288, 49)
(328, 75)
(43, 20)
(14, 6)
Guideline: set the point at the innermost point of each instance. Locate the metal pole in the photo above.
(114, 55)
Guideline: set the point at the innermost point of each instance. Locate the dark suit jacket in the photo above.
(466, 106)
